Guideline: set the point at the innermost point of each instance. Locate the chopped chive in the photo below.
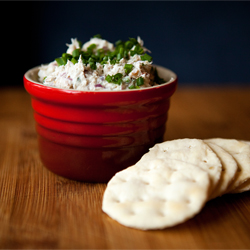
(91, 59)
(95, 57)
(76, 53)
(128, 45)
(91, 47)
(139, 81)
(137, 50)
(133, 41)
(105, 58)
(84, 61)
(108, 78)
(126, 54)
(60, 61)
(128, 68)
(73, 60)
(117, 78)
(123, 49)
(97, 36)
(92, 65)
(146, 57)
(119, 42)
(133, 87)
(119, 57)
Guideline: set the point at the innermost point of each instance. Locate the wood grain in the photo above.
(40, 210)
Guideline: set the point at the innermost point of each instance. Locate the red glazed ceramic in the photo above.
(90, 135)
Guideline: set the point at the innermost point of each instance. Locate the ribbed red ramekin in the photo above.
(90, 135)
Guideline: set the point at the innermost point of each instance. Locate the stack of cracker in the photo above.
(173, 181)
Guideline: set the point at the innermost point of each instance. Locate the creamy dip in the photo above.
(100, 65)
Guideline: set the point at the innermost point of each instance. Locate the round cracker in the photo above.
(194, 151)
(241, 153)
(247, 142)
(244, 186)
(157, 194)
(229, 170)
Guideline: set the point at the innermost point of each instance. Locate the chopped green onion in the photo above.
(76, 53)
(137, 50)
(128, 68)
(112, 55)
(84, 61)
(97, 36)
(100, 53)
(73, 60)
(94, 57)
(61, 61)
(117, 78)
(126, 54)
(133, 41)
(123, 50)
(119, 57)
(105, 58)
(119, 42)
(91, 47)
(139, 81)
(128, 45)
(131, 87)
(108, 78)
(91, 59)
(146, 57)
(92, 65)
(66, 56)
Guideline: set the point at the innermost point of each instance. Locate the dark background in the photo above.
(203, 42)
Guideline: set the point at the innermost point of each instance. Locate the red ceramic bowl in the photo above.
(90, 135)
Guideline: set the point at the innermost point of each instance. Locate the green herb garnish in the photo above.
(76, 53)
(97, 36)
(91, 47)
(73, 60)
(139, 81)
(61, 61)
(146, 57)
(117, 78)
(122, 50)
(128, 68)
(108, 78)
(137, 50)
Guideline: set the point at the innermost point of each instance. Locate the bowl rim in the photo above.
(173, 80)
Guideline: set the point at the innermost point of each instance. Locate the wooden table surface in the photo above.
(41, 210)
